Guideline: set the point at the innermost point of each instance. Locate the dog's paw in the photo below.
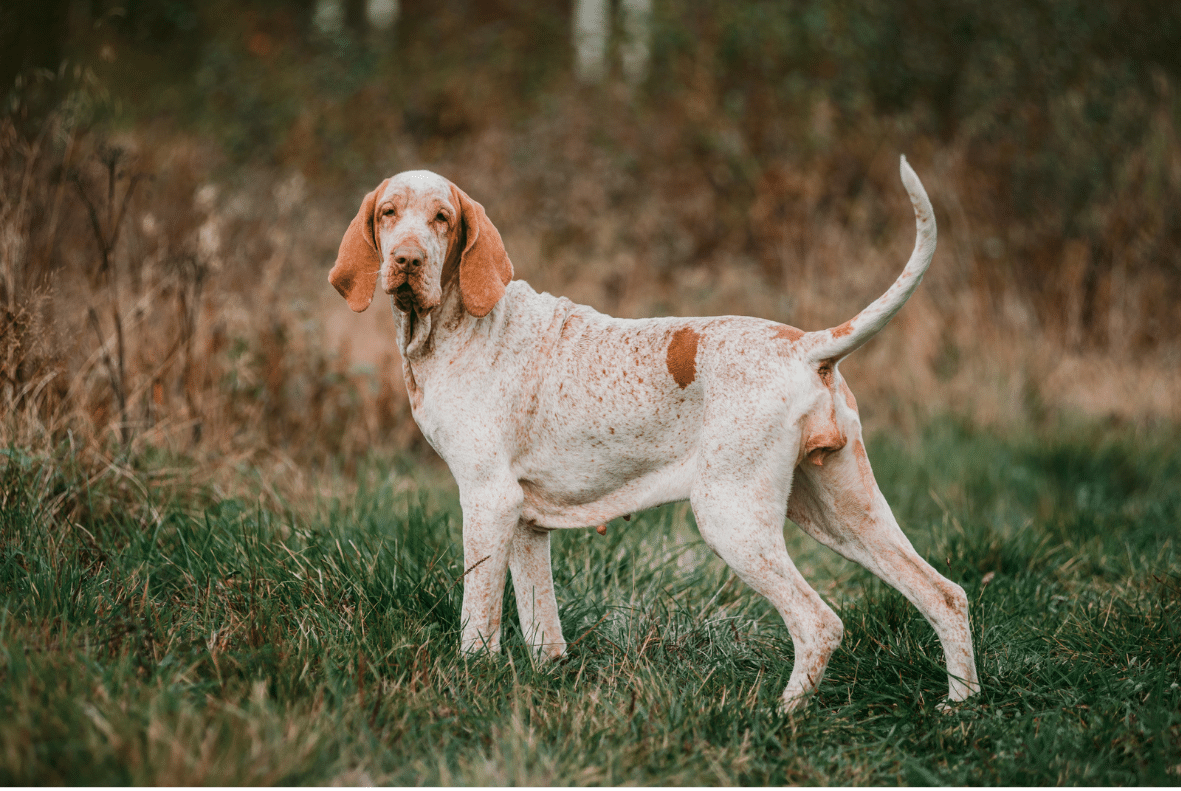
(794, 705)
(550, 654)
(949, 706)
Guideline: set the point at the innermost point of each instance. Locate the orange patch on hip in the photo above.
(682, 356)
(788, 332)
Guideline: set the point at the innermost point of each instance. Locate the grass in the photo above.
(153, 634)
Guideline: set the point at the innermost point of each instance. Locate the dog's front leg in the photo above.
(533, 582)
(490, 515)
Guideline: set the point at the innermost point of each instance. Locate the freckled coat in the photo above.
(552, 415)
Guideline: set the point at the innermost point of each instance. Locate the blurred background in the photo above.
(175, 177)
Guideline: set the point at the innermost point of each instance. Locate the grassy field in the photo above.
(152, 631)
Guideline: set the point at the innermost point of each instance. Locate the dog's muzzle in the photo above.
(404, 278)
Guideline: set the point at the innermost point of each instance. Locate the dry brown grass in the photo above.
(200, 319)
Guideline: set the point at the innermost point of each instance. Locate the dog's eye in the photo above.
(441, 217)
(388, 211)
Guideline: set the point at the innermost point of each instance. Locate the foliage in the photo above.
(754, 172)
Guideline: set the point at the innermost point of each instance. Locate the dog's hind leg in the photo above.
(748, 534)
(533, 582)
(840, 505)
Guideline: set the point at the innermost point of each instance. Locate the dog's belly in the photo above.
(552, 504)
(615, 434)
(625, 458)
(586, 480)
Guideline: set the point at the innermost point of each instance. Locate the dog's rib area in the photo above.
(637, 441)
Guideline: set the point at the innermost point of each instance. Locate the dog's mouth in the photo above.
(404, 298)
(412, 295)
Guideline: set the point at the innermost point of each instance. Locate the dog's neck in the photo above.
(422, 335)
(415, 327)
(454, 358)
(414, 331)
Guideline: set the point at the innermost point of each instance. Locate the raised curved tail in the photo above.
(838, 342)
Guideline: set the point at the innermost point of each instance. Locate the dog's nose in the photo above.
(408, 258)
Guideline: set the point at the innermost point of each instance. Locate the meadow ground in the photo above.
(153, 631)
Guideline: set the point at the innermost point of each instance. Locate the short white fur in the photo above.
(551, 415)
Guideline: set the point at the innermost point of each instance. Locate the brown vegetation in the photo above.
(161, 289)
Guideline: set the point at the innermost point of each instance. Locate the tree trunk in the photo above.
(591, 24)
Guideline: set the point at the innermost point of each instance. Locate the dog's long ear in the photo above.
(484, 267)
(357, 262)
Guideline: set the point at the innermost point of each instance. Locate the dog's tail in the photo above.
(838, 342)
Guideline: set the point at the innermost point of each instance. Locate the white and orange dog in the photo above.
(552, 415)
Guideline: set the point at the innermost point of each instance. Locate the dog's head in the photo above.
(418, 234)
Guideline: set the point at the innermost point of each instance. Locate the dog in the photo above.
(551, 415)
